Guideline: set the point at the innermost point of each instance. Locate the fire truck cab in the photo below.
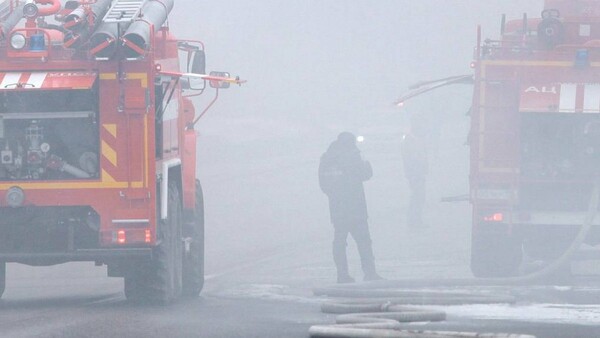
(97, 142)
(535, 136)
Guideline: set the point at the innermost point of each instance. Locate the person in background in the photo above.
(416, 167)
(342, 172)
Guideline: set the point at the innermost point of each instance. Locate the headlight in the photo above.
(15, 197)
(18, 41)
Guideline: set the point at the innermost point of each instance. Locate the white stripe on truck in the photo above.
(36, 80)
(591, 103)
(10, 80)
(568, 98)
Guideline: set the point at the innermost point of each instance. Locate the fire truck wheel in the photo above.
(495, 254)
(548, 244)
(193, 262)
(2, 278)
(159, 280)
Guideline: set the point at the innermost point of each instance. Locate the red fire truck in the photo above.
(535, 135)
(97, 142)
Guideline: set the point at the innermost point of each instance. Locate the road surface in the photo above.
(268, 246)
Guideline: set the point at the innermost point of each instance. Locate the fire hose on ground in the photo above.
(378, 309)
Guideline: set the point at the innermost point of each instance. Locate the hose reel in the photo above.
(551, 31)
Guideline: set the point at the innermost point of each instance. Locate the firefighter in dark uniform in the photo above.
(416, 166)
(342, 172)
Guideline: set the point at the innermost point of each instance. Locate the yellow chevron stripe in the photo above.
(533, 63)
(65, 186)
(111, 128)
(139, 76)
(108, 182)
(108, 76)
(130, 76)
(72, 185)
(109, 153)
(527, 63)
(107, 178)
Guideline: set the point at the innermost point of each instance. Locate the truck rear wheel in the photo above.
(159, 280)
(548, 244)
(495, 253)
(193, 261)
(2, 278)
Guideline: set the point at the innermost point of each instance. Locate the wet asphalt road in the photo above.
(94, 306)
(110, 316)
(271, 298)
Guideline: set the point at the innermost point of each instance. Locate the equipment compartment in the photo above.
(49, 135)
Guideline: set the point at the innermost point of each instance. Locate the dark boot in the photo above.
(367, 260)
(341, 262)
(345, 279)
(372, 276)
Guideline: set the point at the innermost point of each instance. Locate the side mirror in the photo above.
(198, 66)
(217, 83)
(198, 62)
(185, 83)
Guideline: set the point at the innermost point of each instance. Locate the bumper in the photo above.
(88, 255)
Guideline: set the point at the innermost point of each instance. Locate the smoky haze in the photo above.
(316, 68)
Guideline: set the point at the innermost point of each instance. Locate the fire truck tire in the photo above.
(494, 254)
(193, 263)
(2, 278)
(549, 248)
(159, 280)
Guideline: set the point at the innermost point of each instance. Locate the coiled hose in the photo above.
(377, 309)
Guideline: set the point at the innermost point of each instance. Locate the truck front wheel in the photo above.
(193, 262)
(495, 253)
(159, 280)
(2, 278)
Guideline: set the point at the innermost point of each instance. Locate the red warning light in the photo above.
(497, 217)
(121, 239)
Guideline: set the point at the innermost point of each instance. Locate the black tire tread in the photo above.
(495, 255)
(2, 278)
(193, 268)
(150, 282)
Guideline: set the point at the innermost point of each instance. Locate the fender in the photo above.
(164, 186)
(188, 177)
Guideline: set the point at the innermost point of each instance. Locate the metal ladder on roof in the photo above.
(124, 11)
(5, 8)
